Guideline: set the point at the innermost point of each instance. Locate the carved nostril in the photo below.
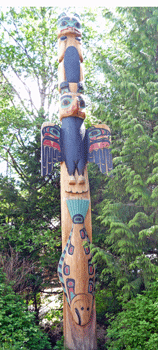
(87, 308)
(82, 308)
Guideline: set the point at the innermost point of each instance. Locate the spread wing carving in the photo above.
(99, 139)
(50, 147)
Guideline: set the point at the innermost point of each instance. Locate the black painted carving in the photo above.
(72, 65)
(72, 143)
(74, 146)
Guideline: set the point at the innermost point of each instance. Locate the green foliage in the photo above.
(59, 344)
(18, 329)
(55, 315)
(136, 327)
(126, 256)
(29, 210)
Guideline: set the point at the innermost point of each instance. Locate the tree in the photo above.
(30, 210)
(128, 103)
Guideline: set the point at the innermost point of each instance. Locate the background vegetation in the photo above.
(121, 87)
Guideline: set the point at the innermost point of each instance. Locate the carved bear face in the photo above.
(69, 23)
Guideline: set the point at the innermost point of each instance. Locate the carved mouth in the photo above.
(78, 315)
(71, 28)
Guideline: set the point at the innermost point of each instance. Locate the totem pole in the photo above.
(74, 146)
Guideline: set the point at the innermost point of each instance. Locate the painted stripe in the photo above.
(60, 265)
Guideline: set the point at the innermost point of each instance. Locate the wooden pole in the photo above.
(80, 324)
(74, 146)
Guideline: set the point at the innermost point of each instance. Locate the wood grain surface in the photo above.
(77, 337)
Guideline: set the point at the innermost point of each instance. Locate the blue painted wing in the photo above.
(98, 140)
(50, 147)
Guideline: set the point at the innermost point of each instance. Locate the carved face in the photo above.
(66, 39)
(81, 308)
(72, 104)
(68, 23)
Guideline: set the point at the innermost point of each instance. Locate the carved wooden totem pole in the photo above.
(74, 146)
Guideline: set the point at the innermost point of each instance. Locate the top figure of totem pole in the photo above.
(74, 146)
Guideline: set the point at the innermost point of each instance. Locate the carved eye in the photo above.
(54, 132)
(65, 102)
(63, 23)
(63, 91)
(82, 102)
(77, 25)
(95, 133)
(63, 38)
(77, 38)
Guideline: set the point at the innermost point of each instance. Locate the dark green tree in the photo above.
(127, 102)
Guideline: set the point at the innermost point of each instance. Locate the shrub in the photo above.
(17, 324)
(136, 327)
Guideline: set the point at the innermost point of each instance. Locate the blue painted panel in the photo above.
(73, 144)
(72, 65)
(78, 206)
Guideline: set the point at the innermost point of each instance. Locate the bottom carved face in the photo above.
(81, 308)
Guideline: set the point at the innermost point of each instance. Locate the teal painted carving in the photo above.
(78, 207)
(76, 259)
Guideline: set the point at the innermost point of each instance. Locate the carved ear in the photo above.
(64, 87)
(76, 15)
(80, 88)
(61, 15)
